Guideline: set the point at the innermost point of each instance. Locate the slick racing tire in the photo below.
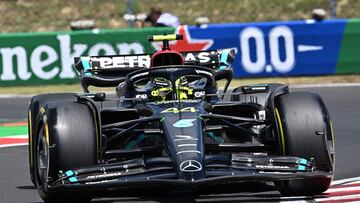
(36, 103)
(305, 131)
(66, 139)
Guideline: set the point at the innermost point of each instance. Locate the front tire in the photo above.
(36, 103)
(66, 139)
(305, 131)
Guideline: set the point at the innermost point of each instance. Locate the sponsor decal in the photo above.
(274, 172)
(121, 61)
(104, 175)
(177, 110)
(202, 57)
(181, 101)
(141, 96)
(184, 123)
(48, 62)
(199, 94)
(188, 151)
(190, 166)
(142, 61)
(271, 167)
(171, 69)
(184, 137)
(189, 142)
(98, 182)
(203, 72)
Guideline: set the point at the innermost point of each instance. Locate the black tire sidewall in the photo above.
(302, 114)
(72, 140)
(36, 103)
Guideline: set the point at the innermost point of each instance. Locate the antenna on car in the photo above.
(165, 39)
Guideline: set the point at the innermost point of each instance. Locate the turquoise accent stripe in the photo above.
(132, 143)
(303, 161)
(85, 61)
(301, 168)
(73, 179)
(223, 57)
(215, 138)
(69, 173)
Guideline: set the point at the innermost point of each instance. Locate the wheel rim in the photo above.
(43, 157)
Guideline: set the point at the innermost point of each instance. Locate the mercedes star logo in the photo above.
(190, 166)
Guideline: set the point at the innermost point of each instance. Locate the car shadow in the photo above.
(26, 187)
(244, 192)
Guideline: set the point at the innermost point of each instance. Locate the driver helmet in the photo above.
(162, 89)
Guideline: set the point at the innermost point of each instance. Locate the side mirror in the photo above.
(82, 64)
(227, 57)
(121, 89)
(227, 74)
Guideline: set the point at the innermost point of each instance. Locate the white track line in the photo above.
(13, 145)
(346, 197)
(16, 136)
(339, 182)
(343, 189)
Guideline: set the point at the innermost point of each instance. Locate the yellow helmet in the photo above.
(162, 89)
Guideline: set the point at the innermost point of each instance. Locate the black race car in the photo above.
(169, 129)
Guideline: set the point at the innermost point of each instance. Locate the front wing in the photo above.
(160, 172)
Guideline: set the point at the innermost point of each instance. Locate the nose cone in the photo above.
(185, 137)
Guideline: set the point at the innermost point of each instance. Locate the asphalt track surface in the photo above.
(343, 105)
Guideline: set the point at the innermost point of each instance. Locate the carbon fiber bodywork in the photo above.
(187, 138)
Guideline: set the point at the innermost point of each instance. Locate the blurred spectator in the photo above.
(202, 21)
(318, 14)
(157, 18)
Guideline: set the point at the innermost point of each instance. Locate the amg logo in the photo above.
(123, 61)
(271, 167)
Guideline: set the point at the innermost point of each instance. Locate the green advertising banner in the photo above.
(47, 58)
(264, 49)
(349, 57)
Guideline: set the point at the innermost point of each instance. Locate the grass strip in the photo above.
(13, 130)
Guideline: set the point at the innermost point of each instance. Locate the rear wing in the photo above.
(121, 65)
(108, 71)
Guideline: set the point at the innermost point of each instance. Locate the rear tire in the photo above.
(36, 103)
(306, 132)
(67, 139)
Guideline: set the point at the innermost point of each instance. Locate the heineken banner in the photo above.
(262, 49)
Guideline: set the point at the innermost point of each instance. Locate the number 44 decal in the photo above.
(176, 110)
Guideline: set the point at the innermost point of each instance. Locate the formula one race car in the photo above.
(169, 129)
